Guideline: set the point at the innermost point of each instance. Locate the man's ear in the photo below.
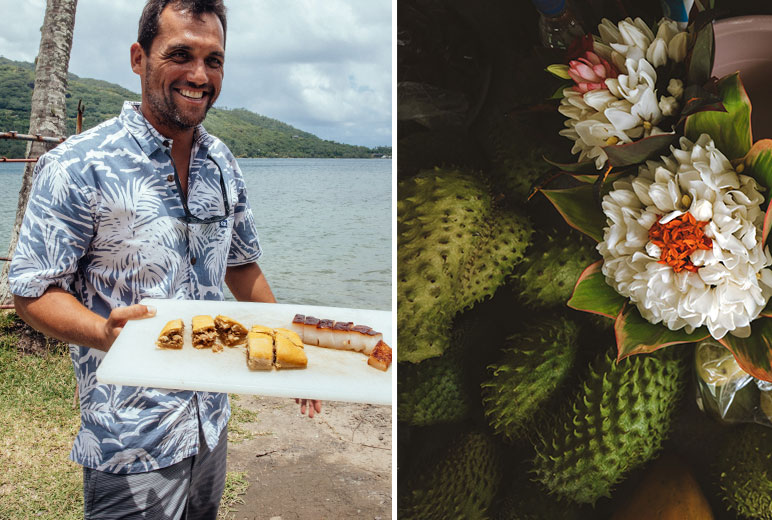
(137, 58)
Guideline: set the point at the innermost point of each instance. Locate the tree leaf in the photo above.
(754, 353)
(757, 163)
(730, 130)
(638, 151)
(580, 209)
(635, 335)
(593, 294)
(701, 61)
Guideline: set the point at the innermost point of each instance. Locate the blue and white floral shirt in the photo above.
(103, 222)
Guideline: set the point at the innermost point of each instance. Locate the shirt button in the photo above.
(170, 177)
(192, 260)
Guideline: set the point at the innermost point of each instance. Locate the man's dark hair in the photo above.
(148, 22)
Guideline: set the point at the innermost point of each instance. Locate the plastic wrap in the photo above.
(725, 392)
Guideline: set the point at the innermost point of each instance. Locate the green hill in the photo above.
(247, 134)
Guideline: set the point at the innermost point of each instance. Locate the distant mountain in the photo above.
(247, 134)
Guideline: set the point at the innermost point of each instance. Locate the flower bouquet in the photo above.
(630, 86)
(681, 230)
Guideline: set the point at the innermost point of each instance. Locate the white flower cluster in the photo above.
(731, 283)
(630, 107)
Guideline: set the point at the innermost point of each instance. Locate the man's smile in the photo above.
(193, 95)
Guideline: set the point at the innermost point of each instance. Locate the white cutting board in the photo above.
(331, 375)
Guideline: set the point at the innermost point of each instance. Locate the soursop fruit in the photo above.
(617, 421)
(745, 471)
(535, 363)
(436, 390)
(524, 499)
(552, 266)
(455, 247)
(461, 483)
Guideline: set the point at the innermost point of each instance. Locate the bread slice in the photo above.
(262, 329)
(204, 332)
(230, 331)
(171, 335)
(259, 351)
(288, 353)
(291, 335)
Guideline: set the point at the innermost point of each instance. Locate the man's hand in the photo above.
(314, 406)
(58, 314)
(119, 317)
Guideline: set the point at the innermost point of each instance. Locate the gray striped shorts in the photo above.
(190, 489)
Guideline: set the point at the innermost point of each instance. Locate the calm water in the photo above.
(324, 226)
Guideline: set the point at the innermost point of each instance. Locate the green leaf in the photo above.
(758, 164)
(635, 335)
(578, 167)
(593, 294)
(765, 227)
(580, 209)
(558, 94)
(697, 98)
(558, 69)
(638, 151)
(730, 130)
(767, 311)
(592, 179)
(701, 61)
(754, 354)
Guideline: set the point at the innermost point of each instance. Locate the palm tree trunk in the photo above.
(48, 110)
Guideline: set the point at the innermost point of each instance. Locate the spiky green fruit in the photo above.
(525, 499)
(460, 484)
(454, 249)
(535, 363)
(551, 268)
(745, 466)
(616, 422)
(434, 391)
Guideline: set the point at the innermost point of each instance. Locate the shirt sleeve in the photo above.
(245, 244)
(57, 228)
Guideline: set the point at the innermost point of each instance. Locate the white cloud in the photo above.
(322, 66)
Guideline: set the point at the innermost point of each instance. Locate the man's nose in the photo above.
(197, 73)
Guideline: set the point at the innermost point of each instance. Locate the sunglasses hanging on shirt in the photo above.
(189, 218)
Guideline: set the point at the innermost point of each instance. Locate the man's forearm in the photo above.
(58, 314)
(248, 283)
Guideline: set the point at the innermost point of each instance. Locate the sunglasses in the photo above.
(189, 218)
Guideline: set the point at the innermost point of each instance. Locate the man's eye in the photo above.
(179, 56)
(215, 63)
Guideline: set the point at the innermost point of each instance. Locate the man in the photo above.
(144, 205)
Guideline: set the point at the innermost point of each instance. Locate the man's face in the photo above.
(182, 74)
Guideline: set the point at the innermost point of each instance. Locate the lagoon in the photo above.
(324, 227)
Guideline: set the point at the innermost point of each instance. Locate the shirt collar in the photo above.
(148, 138)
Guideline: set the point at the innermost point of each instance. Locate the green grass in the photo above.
(239, 416)
(236, 485)
(38, 423)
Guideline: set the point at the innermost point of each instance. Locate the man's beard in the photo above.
(164, 109)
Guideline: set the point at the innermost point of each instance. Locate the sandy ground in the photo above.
(336, 465)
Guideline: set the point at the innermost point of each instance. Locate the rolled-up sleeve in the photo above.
(57, 228)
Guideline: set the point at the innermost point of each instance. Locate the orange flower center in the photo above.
(678, 239)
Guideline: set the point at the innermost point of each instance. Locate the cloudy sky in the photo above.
(323, 66)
